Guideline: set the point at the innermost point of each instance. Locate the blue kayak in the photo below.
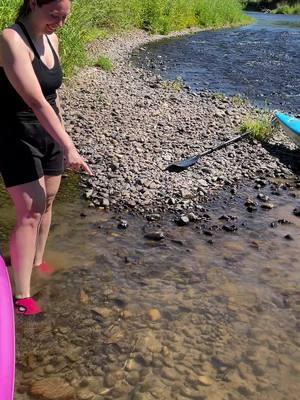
(291, 126)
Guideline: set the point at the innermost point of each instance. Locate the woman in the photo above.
(33, 142)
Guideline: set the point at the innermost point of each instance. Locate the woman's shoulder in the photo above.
(11, 34)
(11, 42)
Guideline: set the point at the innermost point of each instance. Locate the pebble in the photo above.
(123, 224)
(230, 228)
(205, 380)
(263, 197)
(52, 389)
(182, 220)
(296, 211)
(155, 235)
(267, 206)
(153, 314)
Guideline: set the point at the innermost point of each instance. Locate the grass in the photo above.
(238, 100)
(259, 128)
(90, 19)
(176, 85)
(104, 63)
(285, 9)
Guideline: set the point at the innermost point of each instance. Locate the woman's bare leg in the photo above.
(52, 184)
(30, 202)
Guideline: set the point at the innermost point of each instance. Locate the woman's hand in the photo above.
(75, 162)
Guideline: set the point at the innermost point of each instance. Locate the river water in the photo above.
(258, 61)
(209, 312)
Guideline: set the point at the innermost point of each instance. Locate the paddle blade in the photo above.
(181, 165)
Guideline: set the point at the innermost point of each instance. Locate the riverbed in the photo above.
(154, 311)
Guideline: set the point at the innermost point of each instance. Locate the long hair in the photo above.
(25, 7)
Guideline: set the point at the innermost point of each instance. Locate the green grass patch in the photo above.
(104, 63)
(259, 128)
(175, 85)
(285, 9)
(238, 100)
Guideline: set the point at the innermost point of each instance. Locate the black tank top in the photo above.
(13, 106)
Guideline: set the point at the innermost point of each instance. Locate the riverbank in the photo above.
(129, 124)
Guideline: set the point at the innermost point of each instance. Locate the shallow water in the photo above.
(201, 314)
(258, 61)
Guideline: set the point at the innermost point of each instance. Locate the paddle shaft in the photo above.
(220, 146)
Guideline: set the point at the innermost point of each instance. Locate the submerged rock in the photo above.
(155, 235)
(123, 224)
(52, 389)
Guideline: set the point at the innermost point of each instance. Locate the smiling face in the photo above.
(50, 17)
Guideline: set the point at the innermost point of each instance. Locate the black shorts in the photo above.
(28, 152)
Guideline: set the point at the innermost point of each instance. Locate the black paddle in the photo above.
(179, 166)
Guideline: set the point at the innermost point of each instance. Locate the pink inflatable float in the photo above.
(7, 336)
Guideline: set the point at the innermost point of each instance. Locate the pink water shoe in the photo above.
(45, 268)
(26, 306)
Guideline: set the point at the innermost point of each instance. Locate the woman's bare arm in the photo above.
(18, 69)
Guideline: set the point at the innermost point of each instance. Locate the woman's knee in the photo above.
(29, 218)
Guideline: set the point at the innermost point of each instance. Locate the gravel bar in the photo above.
(129, 125)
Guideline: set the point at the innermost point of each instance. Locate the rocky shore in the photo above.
(130, 125)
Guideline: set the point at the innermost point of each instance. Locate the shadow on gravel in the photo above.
(290, 158)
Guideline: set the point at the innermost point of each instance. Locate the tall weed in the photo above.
(285, 9)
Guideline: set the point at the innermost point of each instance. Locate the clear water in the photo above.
(195, 316)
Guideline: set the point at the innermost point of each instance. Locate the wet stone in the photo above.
(205, 380)
(192, 217)
(52, 389)
(251, 209)
(284, 222)
(153, 314)
(267, 206)
(296, 211)
(110, 379)
(263, 197)
(123, 224)
(250, 203)
(85, 394)
(149, 343)
(132, 365)
(169, 373)
(155, 235)
(182, 220)
(153, 217)
(191, 393)
(226, 217)
(133, 378)
(105, 203)
(103, 312)
(230, 228)
(207, 232)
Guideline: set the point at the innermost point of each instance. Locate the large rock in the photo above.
(52, 389)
